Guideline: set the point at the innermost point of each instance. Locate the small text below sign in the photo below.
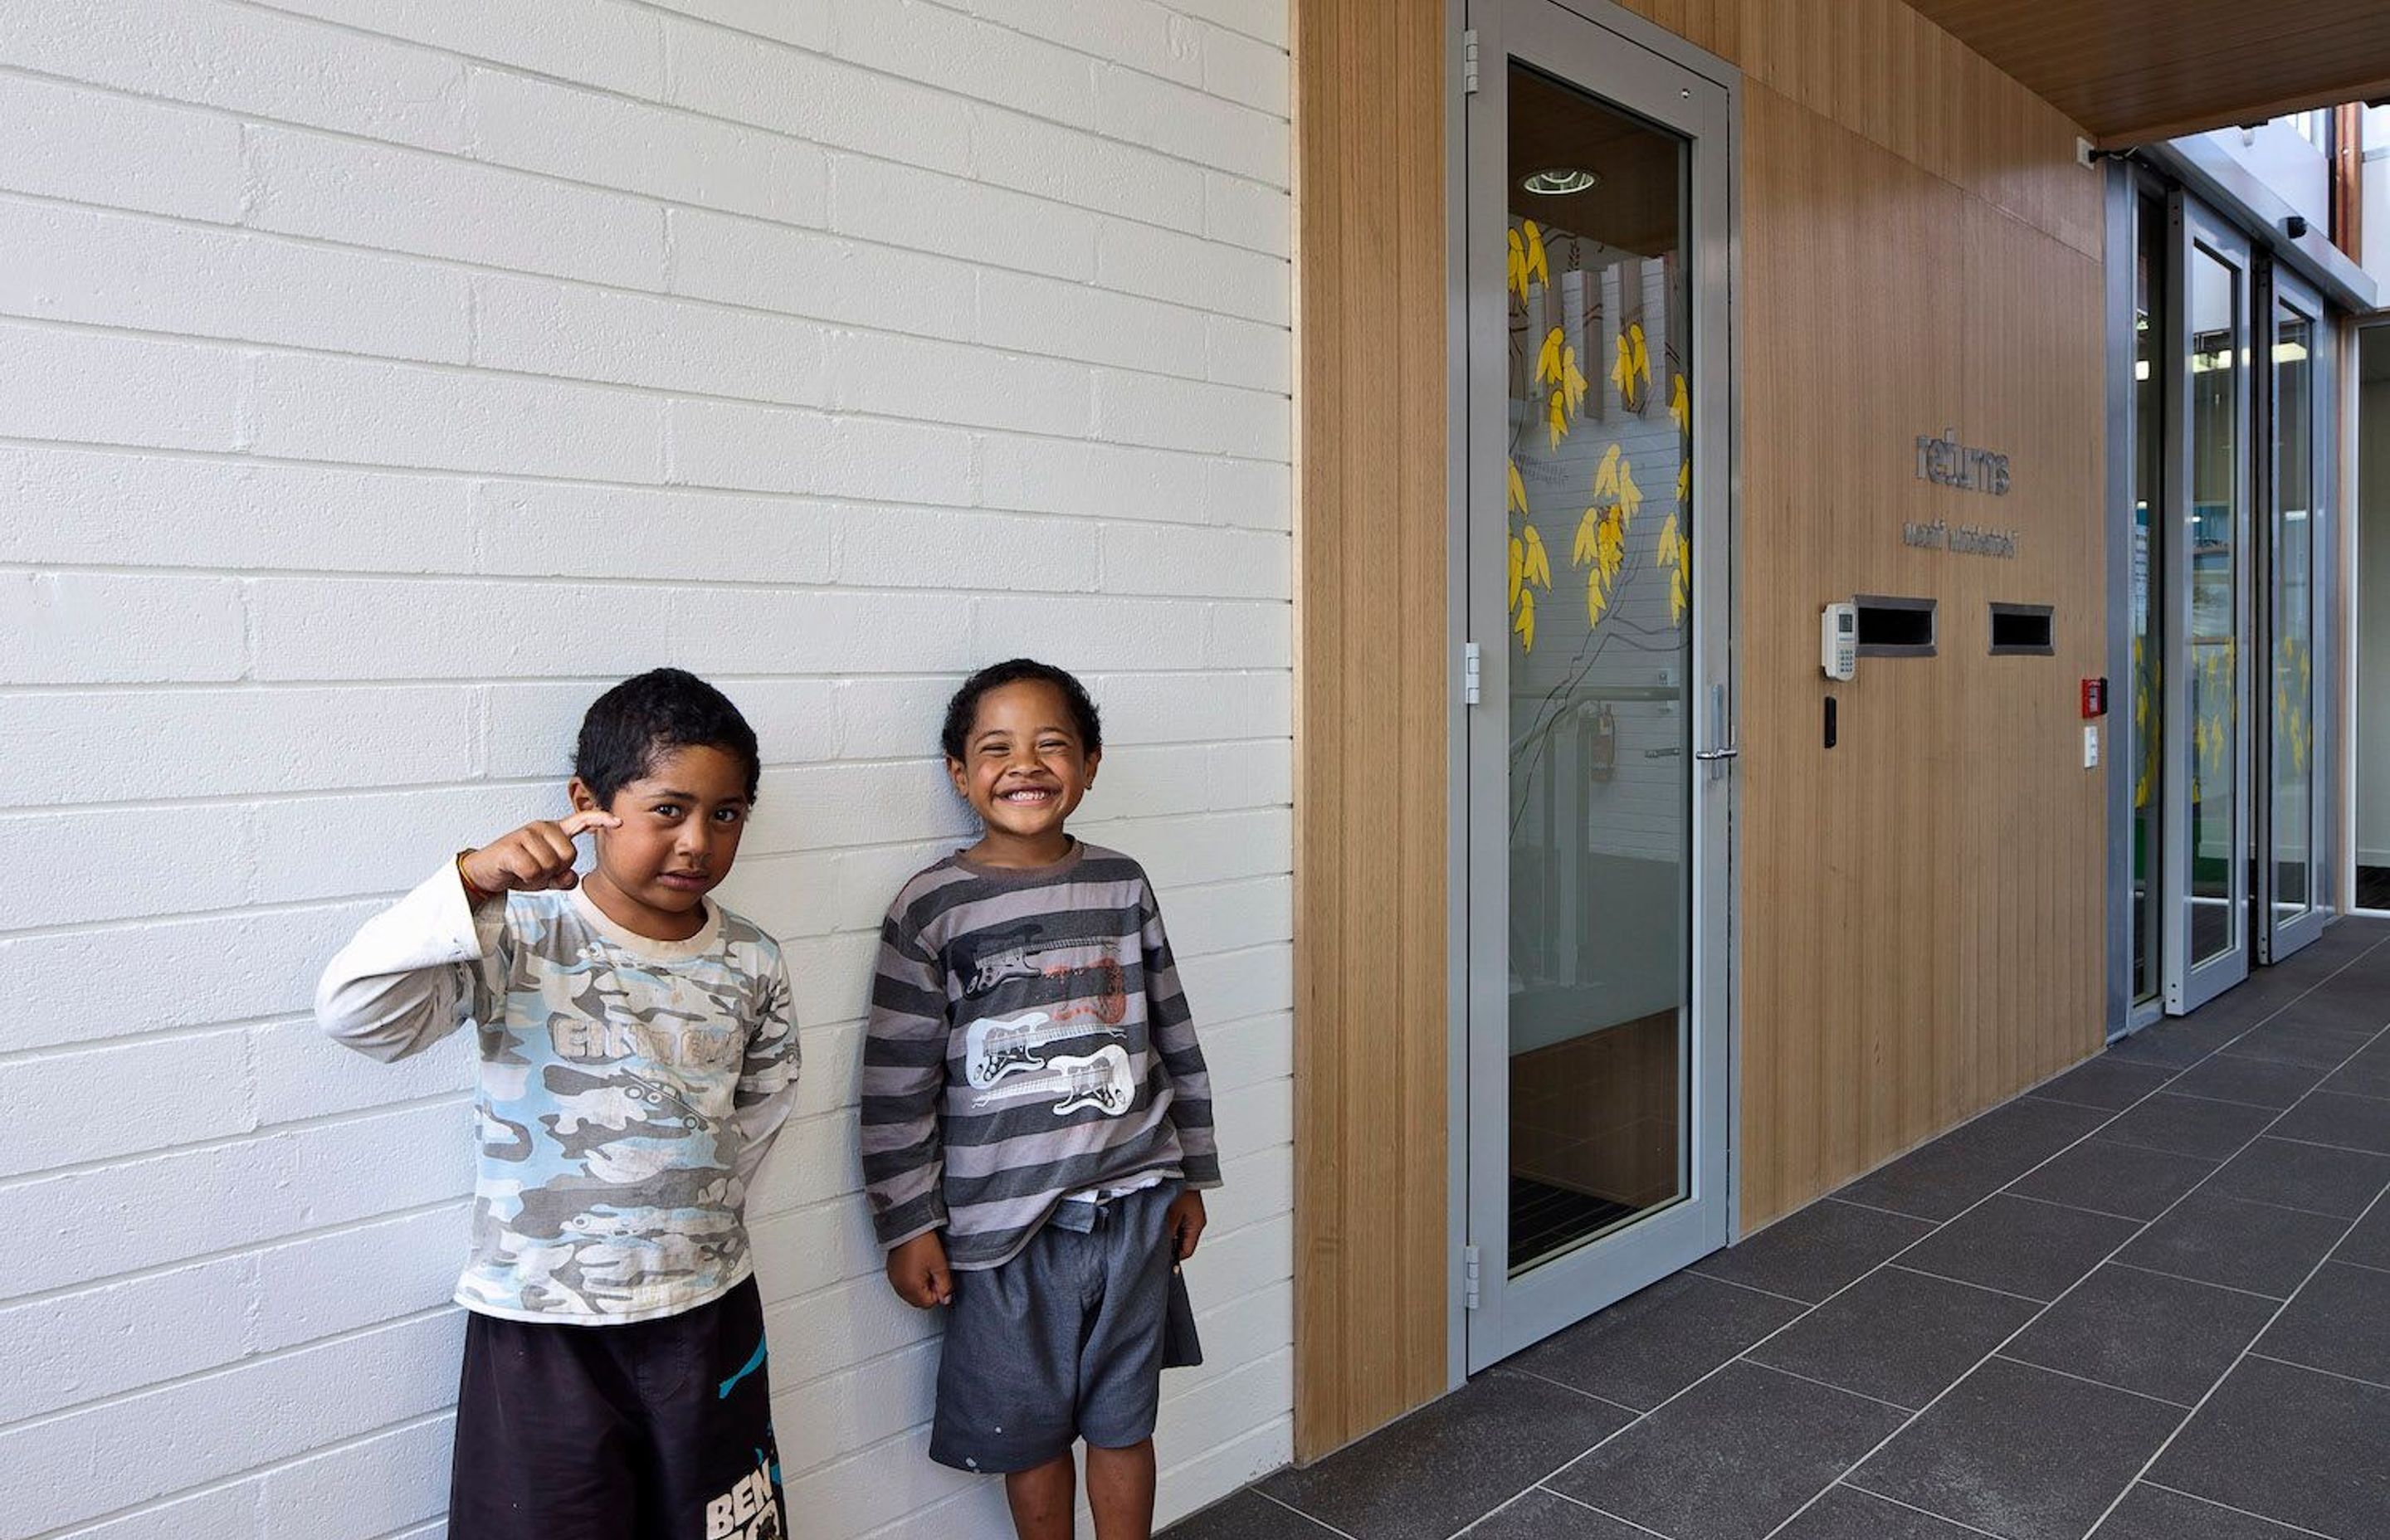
(1962, 540)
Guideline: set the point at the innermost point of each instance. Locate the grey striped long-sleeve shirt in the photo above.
(1028, 1040)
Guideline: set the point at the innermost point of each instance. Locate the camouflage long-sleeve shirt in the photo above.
(627, 1090)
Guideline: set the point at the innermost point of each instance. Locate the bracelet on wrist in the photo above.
(475, 894)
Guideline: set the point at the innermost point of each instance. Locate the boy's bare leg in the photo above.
(1042, 1499)
(1120, 1489)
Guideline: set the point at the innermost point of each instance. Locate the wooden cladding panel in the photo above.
(1880, 69)
(1371, 1195)
(1920, 923)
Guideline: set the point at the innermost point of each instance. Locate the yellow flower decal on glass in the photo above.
(1531, 565)
(1631, 367)
(1677, 554)
(1556, 367)
(1527, 260)
(1681, 406)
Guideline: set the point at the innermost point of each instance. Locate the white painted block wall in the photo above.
(378, 379)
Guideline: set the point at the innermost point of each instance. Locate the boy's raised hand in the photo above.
(537, 857)
(916, 1270)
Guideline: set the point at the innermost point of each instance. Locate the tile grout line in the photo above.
(2086, 1380)
(2210, 1502)
(1821, 1384)
(1563, 1385)
(2143, 1229)
(2310, 1368)
(1752, 1287)
(1593, 1508)
(1299, 1513)
(2185, 1278)
(1970, 1283)
(2076, 1208)
(1912, 1507)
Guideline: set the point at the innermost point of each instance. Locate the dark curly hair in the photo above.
(629, 727)
(963, 710)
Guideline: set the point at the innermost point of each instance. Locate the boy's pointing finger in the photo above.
(581, 823)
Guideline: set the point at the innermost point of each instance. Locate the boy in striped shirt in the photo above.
(1036, 1119)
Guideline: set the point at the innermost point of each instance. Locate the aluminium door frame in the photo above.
(2275, 938)
(1577, 41)
(2189, 982)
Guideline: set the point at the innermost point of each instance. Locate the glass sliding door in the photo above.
(2207, 746)
(2293, 835)
(2144, 724)
(1599, 766)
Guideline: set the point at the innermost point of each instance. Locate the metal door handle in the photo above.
(1706, 755)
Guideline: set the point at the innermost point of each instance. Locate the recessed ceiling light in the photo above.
(1560, 179)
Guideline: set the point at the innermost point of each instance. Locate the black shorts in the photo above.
(648, 1431)
(1063, 1342)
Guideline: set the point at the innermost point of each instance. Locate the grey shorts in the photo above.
(1063, 1342)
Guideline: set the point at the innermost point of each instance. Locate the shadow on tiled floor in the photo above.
(2149, 1301)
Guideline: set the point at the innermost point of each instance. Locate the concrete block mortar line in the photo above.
(255, 355)
(497, 476)
(2144, 1228)
(249, 1477)
(254, 1134)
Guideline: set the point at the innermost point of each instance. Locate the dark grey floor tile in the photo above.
(2348, 1004)
(1732, 1457)
(1897, 1336)
(1248, 1516)
(2186, 1125)
(2112, 1084)
(2164, 1047)
(1944, 1177)
(2025, 1247)
(1544, 1515)
(2327, 1117)
(1451, 1461)
(2240, 1245)
(1846, 1513)
(2020, 1452)
(1815, 1252)
(2165, 1337)
(2339, 1322)
(1649, 1346)
(2316, 1044)
(2110, 1177)
(2369, 1244)
(2258, 1082)
(2154, 1513)
(2291, 1444)
(2365, 1075)
(2321, 1177)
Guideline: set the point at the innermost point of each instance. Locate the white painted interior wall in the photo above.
(386, 376)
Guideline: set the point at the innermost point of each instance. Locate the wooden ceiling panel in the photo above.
(2136, 70)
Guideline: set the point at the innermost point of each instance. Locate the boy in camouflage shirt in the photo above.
(637, 1056)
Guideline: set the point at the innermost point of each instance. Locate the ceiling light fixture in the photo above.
(1555, 180)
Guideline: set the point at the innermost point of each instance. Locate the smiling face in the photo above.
(1024, 770)
(681, 821)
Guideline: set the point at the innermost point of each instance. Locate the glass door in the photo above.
(2291, 838)
(2144, 725)
(2207, 754)
(1599, 751)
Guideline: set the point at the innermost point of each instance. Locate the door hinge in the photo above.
(1468, 1291)
(1468, 63)
(1472, 673)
